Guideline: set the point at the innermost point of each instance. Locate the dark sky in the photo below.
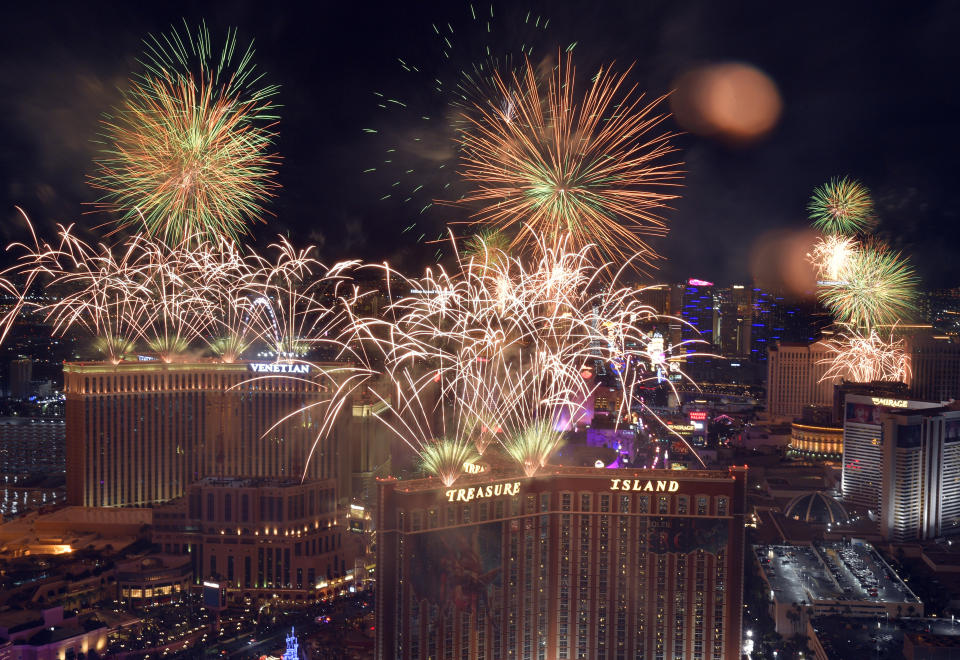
(868, 90)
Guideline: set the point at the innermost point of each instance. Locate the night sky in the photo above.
(868, 90)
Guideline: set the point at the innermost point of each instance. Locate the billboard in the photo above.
(685, 535)
(457, 567)
(863, 413)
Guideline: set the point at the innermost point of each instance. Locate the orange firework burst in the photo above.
(548, 162)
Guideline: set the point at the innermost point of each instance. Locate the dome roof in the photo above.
(817, 508)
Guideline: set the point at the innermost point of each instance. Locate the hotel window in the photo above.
(227, 507)
(624, 504)
(683, 503)
(432, 518)
(466, 517)
(531, 504)
(565, 501)
(722, 506)
(585, 502)
(483, 511)
(544, 501)
(663, 504)
(701, 505)
(417, 521)
(643, 504)
(605, 503)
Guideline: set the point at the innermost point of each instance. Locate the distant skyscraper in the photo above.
(734, 320)
(577, 563)
(934, 366)
(900, 458)
(139, 432)
(21, 375)
(794, 378)
(698, 309)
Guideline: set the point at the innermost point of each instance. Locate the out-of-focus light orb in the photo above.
(731, 101)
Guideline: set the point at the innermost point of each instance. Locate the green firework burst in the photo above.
(841, 206)
(188, 153)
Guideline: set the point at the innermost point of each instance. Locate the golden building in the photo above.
(138, 433)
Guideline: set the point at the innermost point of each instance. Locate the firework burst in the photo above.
(188, 154)
(832, 256)
(841, 206)
(554, 163)
(876, 287)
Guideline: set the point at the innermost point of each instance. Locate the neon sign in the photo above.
(695, 282)
(278, 368)
(645, 486)
(478, 492)
(892, 403)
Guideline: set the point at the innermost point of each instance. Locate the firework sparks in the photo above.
(841, 206)
(876, 288)
(533, 445)
(832, 256)
(502, 346)
(446, 457)
(557, 164)
(188, 154)
(417, 162)
(864, 358)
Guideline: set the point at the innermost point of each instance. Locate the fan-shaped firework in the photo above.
(841, 206)
(533, 445)
(446, 457)
(551, 163)
(864, 358)
(189, 151)
(876, 287)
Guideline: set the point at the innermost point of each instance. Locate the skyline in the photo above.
(838, 118)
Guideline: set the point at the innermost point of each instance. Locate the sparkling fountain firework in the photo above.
(501, 346)
(864, 358)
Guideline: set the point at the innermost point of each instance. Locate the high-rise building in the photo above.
(138, 433)
(900, 458)
(934, 366)
(795, 378)
(734, 321)
(21, 375)
(697, 308)
(575, 563)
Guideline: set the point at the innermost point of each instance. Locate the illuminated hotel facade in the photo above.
(574, 563)
(138, 433)
(900, 461)
(258, 538)
(795, 373)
